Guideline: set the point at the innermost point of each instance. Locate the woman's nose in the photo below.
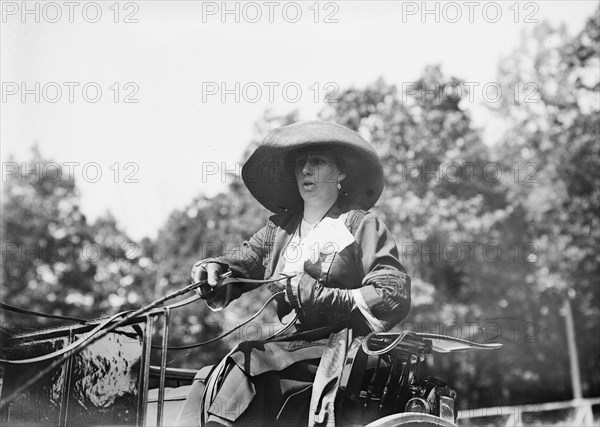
(307, 169)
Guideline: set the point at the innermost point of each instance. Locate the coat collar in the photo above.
(336, 210)
(289, 221)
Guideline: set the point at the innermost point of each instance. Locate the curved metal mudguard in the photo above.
(413, 419)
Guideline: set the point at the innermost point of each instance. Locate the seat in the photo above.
(174, 397)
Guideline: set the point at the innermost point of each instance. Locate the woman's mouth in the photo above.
(308, 185)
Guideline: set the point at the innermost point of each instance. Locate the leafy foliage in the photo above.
(55, 261)
(559, 136)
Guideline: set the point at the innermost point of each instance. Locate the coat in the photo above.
(359, 286)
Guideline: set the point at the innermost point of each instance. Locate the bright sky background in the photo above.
(175, 48)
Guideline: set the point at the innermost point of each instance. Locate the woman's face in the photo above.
(317, 176)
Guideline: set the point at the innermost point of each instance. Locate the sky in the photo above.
(145, 103)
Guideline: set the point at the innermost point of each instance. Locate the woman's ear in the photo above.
(341, 176)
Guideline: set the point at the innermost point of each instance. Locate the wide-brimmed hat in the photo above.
(269, 172)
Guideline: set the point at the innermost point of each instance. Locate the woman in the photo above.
(319, 179)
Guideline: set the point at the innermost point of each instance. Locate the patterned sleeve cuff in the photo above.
(374, 323)
(292, 293)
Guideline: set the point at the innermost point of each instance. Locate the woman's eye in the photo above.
(312, 161)
(318, 161)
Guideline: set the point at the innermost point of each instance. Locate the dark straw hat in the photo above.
(269, 173)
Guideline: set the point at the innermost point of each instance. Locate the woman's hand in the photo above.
(211, 273)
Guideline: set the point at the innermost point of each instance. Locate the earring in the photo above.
(339, 186)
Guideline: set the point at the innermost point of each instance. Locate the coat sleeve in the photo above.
(245, 261)
(384, 296)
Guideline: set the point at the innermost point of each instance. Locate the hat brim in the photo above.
(269, 173)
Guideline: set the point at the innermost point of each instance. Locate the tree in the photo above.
(54, 260)
(557, 136)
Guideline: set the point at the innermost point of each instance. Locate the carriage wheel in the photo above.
(413, 419)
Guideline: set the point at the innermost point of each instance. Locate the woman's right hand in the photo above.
(209, 272)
